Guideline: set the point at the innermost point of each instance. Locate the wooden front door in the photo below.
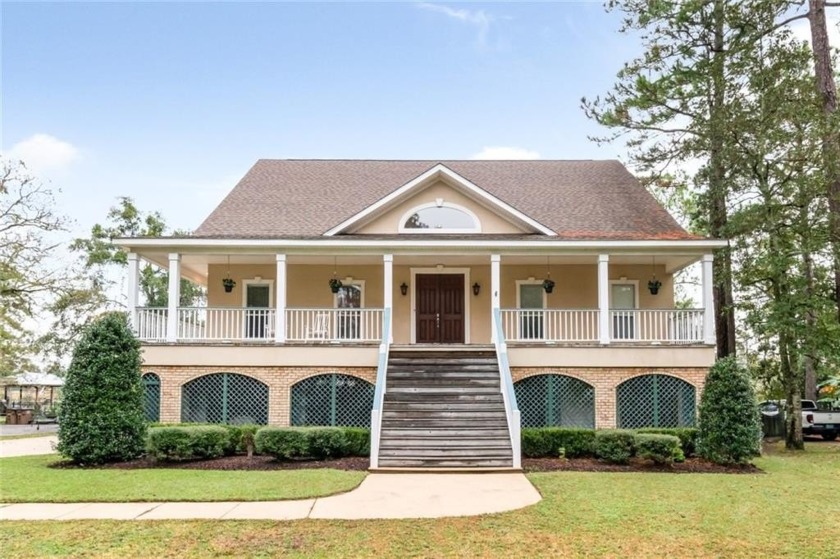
(440, 308)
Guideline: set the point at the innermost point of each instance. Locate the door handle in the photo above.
(437, 320)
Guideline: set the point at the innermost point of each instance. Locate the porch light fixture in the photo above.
(654, 284)
(476, 289)
(548, 283)
(404, 288)
(227, 281)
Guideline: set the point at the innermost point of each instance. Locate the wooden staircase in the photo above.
(444, 409)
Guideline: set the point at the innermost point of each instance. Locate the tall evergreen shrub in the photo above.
(730, 425)
(102, 416)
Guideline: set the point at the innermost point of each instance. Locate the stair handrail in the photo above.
(508, 393)
(379, 391)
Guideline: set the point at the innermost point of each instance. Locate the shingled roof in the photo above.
(576, 199)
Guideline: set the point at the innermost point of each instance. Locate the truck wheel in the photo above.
(830, 436)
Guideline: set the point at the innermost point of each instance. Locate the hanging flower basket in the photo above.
(548, 285)
(335, 285)
(654, 285)
(229, 284)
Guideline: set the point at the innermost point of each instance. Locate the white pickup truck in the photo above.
(816, 421)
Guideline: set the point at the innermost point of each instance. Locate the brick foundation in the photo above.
(278, 379)
(605, 382)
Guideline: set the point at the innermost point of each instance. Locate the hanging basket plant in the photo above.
(548, 285)
(228, 284)
(335, 285)
(654, 285)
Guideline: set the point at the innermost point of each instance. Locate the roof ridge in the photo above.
(440, 160)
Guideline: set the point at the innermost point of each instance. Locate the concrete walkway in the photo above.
(28, 447)
(378, 496)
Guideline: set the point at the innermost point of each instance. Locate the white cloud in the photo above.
(503, 152)
(478, 18)
(42, 152)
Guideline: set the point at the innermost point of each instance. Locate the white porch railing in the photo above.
(550, 325)
(150, 323)
(379, 391)
(671, 326)
(514, 418)
(334, 325)
(225, 324)
(676, 326)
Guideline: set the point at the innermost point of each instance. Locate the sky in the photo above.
(171, 103)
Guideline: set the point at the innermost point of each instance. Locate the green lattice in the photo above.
(151, 397)
(224, 398)
(333, 399)
(655, 401)
(556, 401)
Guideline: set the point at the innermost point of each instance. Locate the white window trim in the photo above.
(634, 283)
(268, 282)
(409, 213)
(347, 281)
(413, 289)
(530, 282)
(521, 310)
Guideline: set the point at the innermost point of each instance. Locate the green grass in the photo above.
(29, 479)
(790, 511)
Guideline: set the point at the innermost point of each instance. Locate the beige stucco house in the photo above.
(437, 263)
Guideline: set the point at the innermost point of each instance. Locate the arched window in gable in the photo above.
(439, 217)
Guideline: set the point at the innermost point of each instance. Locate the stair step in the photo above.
(441, 453)
(444, 406)
(432, 433)
(445, 463)
(443, 389)
(421, 372)
(452, 398)
(443, 424)
(465, 384)
(458, 362)
(445, 444)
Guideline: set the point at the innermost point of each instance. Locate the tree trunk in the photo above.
(793, 401)
(827, 89)
(811, 322)
(724, 311)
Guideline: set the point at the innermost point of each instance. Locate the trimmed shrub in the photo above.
(686, 435)
(102, 416)
(326, 442)
(616, 446)
(358, 441)
(283, 443)
(187, 443)
(543, 442)
(730, 425)
(662, 449)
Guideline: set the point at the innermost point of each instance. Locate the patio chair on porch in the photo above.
(318, 328)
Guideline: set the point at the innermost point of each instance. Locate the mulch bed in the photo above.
(357, 463)
(690, 466)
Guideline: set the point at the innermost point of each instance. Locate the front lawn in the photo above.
(29, 479)
(789, 511)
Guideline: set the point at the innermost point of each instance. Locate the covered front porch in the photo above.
(598, 298)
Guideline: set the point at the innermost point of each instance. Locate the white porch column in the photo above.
(604, 298)
(495, 290)
(174, 296)
(708, 301)
(133, 277)
(280, 306)
(388, 294)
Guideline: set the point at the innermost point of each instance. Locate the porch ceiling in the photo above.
(194, 266)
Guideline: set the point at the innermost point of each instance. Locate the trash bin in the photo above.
(24, 417)
(11, 417)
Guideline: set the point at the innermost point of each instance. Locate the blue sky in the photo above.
(171, 103)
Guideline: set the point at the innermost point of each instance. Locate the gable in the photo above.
(437, 194)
